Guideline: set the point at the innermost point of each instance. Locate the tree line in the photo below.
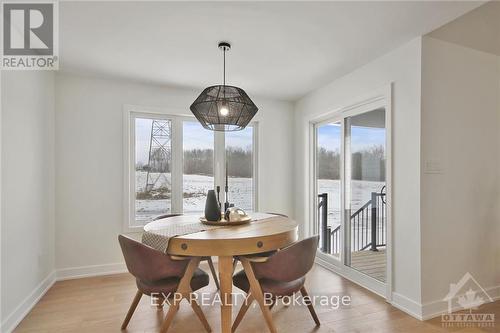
(367, 164)
(201, 162)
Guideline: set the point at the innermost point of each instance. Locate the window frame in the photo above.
(177, 117)
(255, 160)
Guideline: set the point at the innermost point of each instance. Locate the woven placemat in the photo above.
(159, 238)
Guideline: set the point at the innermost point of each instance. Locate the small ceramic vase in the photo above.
(212, 209)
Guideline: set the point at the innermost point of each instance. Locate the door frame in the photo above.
(377, 99)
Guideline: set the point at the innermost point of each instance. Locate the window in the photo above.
(239, 158)
(172, 164)
(153, 160)
(198, 178)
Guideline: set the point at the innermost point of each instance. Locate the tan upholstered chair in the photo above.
(207, 259)
(157, 273)
(280, 274)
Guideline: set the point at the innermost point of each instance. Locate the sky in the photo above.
(195, 137)
(329, 137)
(242, 139)
(142, 137)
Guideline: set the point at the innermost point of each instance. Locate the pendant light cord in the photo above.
(224, 76)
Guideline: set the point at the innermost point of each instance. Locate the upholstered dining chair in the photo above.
(158, 273)
(264, 254)
(280, 274)
(207, 259)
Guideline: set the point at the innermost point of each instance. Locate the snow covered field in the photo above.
(361, 193)
(195, 189)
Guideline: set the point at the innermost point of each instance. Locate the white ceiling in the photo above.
(280, 49)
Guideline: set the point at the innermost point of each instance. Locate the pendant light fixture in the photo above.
(222, 107)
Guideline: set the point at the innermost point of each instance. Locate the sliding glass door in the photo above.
(350, 190)
(329, 187)
(365, 160)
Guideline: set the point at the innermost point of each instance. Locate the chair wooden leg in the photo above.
(214, 273)
(131, 310)
(184, 289)
(272, 304)
(310, 306)
(243, 310)
(169, 317)
(257, 294)
(201, 316)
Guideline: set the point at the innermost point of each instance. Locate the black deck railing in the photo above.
(368, 225)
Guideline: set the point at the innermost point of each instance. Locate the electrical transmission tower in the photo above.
(160, 152)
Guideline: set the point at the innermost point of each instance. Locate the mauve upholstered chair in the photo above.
(158, 274)
(264, 254)
(280, 274)
(207, 259)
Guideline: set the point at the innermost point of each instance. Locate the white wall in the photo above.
(497, 275)
(89, 161)
(461, 135)
(402, 67)
(27, 190)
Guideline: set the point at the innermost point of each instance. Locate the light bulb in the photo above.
(223, 110)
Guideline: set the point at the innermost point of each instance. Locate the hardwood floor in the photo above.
(99, 304)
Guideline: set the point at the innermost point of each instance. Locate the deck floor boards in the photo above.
(372, 263)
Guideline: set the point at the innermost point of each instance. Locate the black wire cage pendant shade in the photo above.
(222, 107)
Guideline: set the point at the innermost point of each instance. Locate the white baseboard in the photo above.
(13, 319)
(407, 305)
(417, 310)
(399, 301)
(90, 271)
(22, 310)
(437, 308)
(101, 270)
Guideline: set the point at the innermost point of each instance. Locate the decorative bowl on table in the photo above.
(232, 216)
(235, 214)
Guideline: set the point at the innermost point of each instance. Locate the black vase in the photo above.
(212, 209)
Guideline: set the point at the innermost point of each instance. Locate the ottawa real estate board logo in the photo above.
(464, 299)
(30, 36)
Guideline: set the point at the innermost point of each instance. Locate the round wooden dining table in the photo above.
(268, 232)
